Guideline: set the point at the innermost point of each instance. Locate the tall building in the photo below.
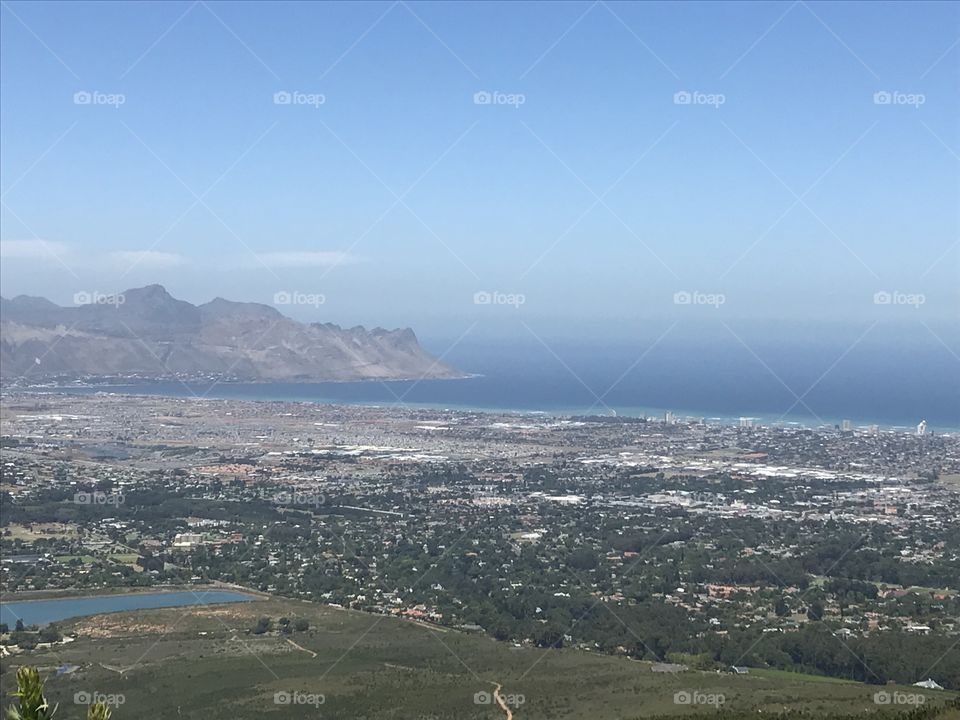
(846, 426)
(922, 428)
(746, 422)
(668, 417)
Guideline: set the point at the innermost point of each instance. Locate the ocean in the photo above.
(780, 385)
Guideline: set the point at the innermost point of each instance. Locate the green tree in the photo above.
(50, 633)
(781, 608)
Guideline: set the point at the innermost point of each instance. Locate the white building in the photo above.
(187, 541)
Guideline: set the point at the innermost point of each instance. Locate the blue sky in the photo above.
(587, 187)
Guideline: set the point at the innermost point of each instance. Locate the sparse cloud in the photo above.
(31, 249)
(44, 250)
(299, 259)
(145, 259)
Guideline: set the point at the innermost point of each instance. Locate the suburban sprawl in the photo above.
(680, 545)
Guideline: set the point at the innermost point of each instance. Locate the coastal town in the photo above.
(674, 541)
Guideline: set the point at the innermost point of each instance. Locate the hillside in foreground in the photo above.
(212, 662)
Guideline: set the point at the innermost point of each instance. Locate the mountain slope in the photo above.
(147, 332)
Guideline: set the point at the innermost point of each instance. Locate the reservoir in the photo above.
(42, 612)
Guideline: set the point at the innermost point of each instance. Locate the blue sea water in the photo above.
(780, 384)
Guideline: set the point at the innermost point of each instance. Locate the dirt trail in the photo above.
(501, 702)
(301, 647)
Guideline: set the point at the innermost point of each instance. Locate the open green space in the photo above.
(205, 662)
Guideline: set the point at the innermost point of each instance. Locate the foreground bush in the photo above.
(33, 705)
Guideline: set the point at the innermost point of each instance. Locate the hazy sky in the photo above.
(770, 160)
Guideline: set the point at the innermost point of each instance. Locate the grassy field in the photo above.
(41, 531)
(86, 559)
(774, 674)
(201, 662)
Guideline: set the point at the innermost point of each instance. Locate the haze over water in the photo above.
(722, 381)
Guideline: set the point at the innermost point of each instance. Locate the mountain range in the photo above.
(147, 332)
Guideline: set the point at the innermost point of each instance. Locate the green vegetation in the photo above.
(609, 586)
(207, 664)
(33, 705)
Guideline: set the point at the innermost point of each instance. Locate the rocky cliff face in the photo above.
(147, 332)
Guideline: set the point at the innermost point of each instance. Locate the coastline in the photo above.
(179, 389)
